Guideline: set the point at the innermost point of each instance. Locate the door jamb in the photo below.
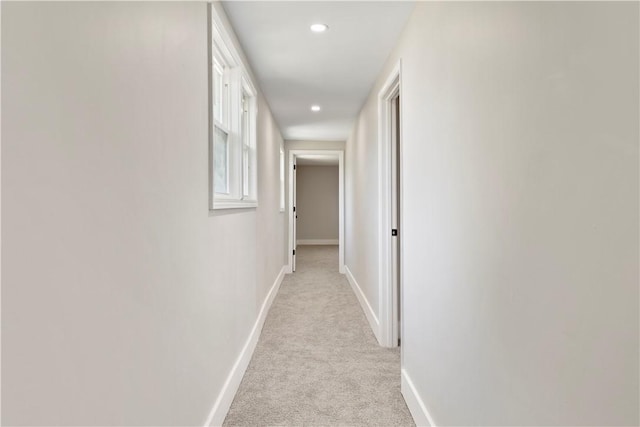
(291, 158)
(388, 310)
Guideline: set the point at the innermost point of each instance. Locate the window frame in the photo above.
(241, 169)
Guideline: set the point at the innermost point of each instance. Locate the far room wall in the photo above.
(317, 204)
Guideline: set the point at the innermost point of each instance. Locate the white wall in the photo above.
(124, 300)
(361, 205)
(520, 171)
(317, 202)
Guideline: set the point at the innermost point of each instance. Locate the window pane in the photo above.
(245, 171)
(221, 161)
(245, 120)
(246, 155)
(218, 96)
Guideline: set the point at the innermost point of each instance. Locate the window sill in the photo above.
(234, 204)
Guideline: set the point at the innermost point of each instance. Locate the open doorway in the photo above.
(390, 209)
(304, 230)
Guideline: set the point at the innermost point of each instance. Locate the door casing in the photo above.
(291, 198)
(390, 300)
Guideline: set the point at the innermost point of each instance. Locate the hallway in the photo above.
(156, 168)
(317, 362)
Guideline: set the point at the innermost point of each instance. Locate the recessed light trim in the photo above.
(319, 28)
(315, 108)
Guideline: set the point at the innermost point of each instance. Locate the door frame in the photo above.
(387, 292)
(294, 215)
(290, 162)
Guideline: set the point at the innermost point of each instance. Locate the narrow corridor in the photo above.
(317, 361)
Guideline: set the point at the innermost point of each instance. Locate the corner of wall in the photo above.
(364, 303)
(227, 393)
(414, 401)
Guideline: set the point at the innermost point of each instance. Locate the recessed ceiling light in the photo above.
(315, 108)
(319, 28)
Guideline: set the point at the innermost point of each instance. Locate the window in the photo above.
(246, 146)
(221, 156)
(248, 140)
(233, 126)
(282, 172)
(221, 126)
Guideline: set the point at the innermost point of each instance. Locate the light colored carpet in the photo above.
(317, 361)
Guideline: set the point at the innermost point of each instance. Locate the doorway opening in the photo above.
(313, 158)
(390, 209)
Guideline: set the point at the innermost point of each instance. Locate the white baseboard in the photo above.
(225, 398)
(416, 406)
(317, 242)
(364, 303)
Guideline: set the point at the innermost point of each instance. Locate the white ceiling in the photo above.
(317, 160)
(335, 69)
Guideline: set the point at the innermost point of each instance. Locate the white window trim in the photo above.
(239, 82)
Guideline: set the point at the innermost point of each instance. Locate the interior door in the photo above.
(295, 214)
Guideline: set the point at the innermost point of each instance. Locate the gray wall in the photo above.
(520, 172)
(317, 202)
(124, 300)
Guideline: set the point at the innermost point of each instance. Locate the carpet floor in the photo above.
(317, 361)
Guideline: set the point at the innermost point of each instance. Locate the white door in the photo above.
(295, 215)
